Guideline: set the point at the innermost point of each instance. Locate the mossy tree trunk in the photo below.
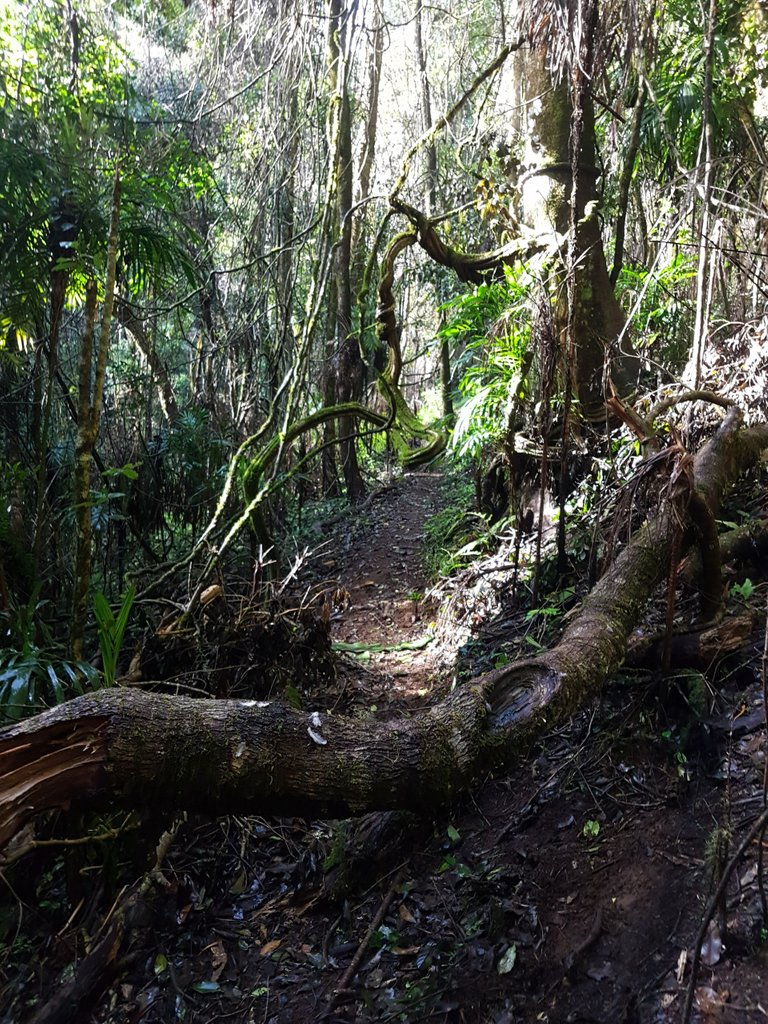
(349, 379)
(547, 194)
(145, 749)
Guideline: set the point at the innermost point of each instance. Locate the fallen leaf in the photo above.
(218, 958)
(508, 960)
(239, 884)
(210, 594)
(602, 973)
(710, 1002)
(749, 876)
(205, 986)
(270, 947)
(375, 978)
(405, 914)
(682, 960)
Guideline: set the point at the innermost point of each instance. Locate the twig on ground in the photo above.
(357, 959)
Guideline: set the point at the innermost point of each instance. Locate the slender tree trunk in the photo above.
(625, 183)
(368, 156)
(349, 382)
(285, 210)
(89, 414)
(44, 401)
(330, 476)
(165, 393)
(430, 175)
(701, 320)
(363, 249)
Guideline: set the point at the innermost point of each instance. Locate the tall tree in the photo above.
(431, 185)
(558, 186)
(349, 379)
(90, 400)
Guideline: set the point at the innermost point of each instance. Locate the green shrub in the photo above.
(493, 323)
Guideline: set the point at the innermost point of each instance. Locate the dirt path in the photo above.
(566, 890)
(380, 582)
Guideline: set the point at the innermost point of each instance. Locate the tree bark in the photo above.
(547, 192)
(349, 380)
(430, 174)
(703, 294)
(145, 749)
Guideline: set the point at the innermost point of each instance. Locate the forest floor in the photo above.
(569, 889)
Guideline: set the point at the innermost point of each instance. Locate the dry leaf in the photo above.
(218, 958)
(682, 962)
(711, 1003)
(405, 914)
(602, 973)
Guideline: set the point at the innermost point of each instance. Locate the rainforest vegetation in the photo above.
(265, 262)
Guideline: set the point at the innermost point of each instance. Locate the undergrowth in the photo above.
(450, 532)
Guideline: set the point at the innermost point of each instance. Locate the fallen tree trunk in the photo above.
(219, 756)
(698, 648)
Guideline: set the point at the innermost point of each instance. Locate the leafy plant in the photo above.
(661, 304)
(451, 532)
(31, 677)
(555, 607)
(111, 631)
(591, 829)
(743, 590)
(493, 323)
(32, 680)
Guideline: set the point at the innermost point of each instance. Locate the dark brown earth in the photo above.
(568, 890)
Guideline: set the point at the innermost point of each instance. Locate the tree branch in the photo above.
(143, 749)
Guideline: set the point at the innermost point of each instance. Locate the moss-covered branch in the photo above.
(470, 267)
(145, 749)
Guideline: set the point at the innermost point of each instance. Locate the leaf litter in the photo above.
(497, 912)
